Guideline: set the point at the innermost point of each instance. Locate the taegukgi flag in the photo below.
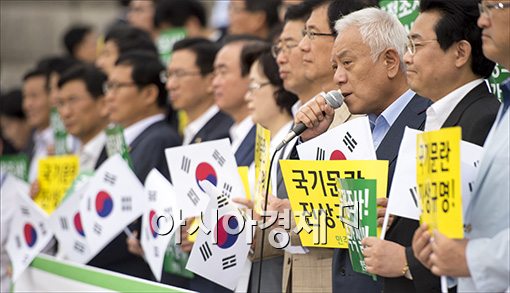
(351, 140)
(114, 198)
(212, 161)
(220, 255)
(66, 223)
(160, 220)
(29, 233)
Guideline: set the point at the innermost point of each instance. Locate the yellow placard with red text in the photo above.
(439, 181)
(55, 175)
(313, 186)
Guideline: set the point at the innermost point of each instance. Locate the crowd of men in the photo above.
(432, 77)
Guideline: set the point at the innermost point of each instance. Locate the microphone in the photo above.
(334, 99)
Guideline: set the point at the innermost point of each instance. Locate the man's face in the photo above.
(108, 56)
(82, 115)
(496, 34)
(316, 52)
(125, 101)
(186, 86)
(241, 20)
(362, 81)
(36, 102)
(228, 84)
(87, 49)
(290, 58)
(430, 69)
(141, 14)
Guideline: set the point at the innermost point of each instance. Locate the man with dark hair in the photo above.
(480, 260)
(120, 40)
(230, 84)
(37, 107)
(253, 17)
(14, 126)
(80, 42)
(136, 100)
(189, 85)
(444, 63)
(82, 108)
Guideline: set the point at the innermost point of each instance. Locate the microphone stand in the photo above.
(264, 222)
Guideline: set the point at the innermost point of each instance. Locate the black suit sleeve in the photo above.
(423, 279)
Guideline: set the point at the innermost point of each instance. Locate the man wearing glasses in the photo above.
(445, 64)
(480, 261)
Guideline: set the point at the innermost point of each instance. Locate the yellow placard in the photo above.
(262, 158)
(313, 185)
(439, 181)
(243, 172)
(55, 175)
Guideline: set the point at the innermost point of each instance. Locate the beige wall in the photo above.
(30, 30)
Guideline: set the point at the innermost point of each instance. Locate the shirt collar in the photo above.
(391, 113)
(439, 111)
(91, 147)
(194, 127)
(295, 107)
(133, 131)
(239, 131)
(44, 137)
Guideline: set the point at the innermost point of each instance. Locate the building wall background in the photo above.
(30, 30)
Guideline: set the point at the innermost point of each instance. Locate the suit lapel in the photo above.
(471, 97)
(413, 116)
(246, 149)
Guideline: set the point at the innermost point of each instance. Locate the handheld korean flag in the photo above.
(66, 222)
(159, 221)
(29, 234)
(212, 161)
(349, 141)
(220, 255)
(114, 199)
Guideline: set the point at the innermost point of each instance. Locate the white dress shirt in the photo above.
(89, 153)
(438, 112)
(194, 127)
(239, 131)
(42, 140)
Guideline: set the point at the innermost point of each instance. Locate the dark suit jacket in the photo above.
(246, 151)
(147, 151)
(216, 128)
(475, 113)
(413, 116)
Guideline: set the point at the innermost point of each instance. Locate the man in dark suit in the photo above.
(189, 86)
(136, 100)
(370, 73)
(444, 63)
(230, 84)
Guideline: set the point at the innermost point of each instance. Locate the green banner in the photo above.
(16, 165)
(116, 144)
(358, 212)
(83, 274)
(59, 133)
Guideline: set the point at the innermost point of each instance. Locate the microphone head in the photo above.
(334, 98)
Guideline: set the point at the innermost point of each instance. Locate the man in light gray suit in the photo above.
(481, 260)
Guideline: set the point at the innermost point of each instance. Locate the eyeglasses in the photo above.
(113, 86)
(180, 74)
(255, 85)
(311, 35)
(485, 8)
(412, 44)
(283, 47)
(72, 101)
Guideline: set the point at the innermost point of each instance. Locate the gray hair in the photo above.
(379, 30)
